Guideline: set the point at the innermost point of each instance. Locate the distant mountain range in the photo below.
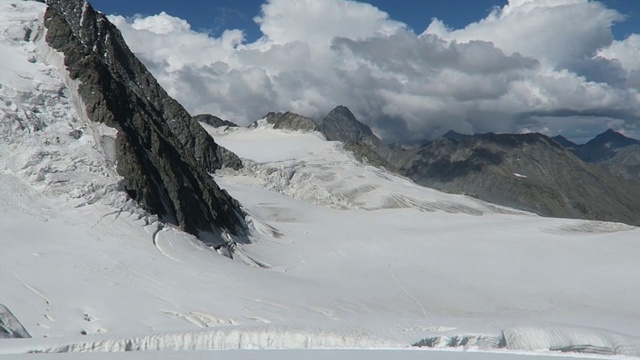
(527, 171)
(611, 151)
(601, 148)
(599, 180)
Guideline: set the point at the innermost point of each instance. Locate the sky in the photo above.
(410, 70)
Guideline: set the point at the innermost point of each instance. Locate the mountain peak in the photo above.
(564, 141)
(213, 120)
(455, 136)
(163, 155)
(342, 111)
(341, 125)
(613, 138)
(290, 121)
(604, 146)
(503, 139)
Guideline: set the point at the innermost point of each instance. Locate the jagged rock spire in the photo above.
(163, 155)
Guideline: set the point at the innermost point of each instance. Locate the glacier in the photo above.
(342, 254)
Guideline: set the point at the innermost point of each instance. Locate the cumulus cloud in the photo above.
(532, 65)
(625, 51)
(319, 22)
(555, 31)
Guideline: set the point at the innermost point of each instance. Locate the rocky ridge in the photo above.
(290, 121)
(603, 147)
(531, 172)
(10, 327)
(213, 120)
(341, 125)
(526, 171)
(164, 156)
(611, 151)
(625, 163)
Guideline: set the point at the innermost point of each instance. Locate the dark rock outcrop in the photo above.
(213, 120)
(528, 171)
(164, 156)
(10, 327)
(290, 121)
(341, 125)
(367, 155)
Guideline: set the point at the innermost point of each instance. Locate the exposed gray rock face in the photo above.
(366, 155)
(341, 125)
(163, 154)
(10, 327)
(213, 120)
(628, 156)
(625, 163)
(530, 172)
(611, 151)
(291, 121)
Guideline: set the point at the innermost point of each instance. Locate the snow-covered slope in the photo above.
(342, 255)
(446, 261)
(44, 139)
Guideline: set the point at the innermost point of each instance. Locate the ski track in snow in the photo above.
(145, 279)
(27, 286)
(397, 281)
(393, 276)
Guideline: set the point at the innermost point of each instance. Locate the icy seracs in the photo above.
(348, 255)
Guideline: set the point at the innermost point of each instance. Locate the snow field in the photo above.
(341, 254)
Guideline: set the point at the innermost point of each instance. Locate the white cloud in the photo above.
(530, 60)
(318, 22)
(555, 31)
(626, 51)
(161, 24)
